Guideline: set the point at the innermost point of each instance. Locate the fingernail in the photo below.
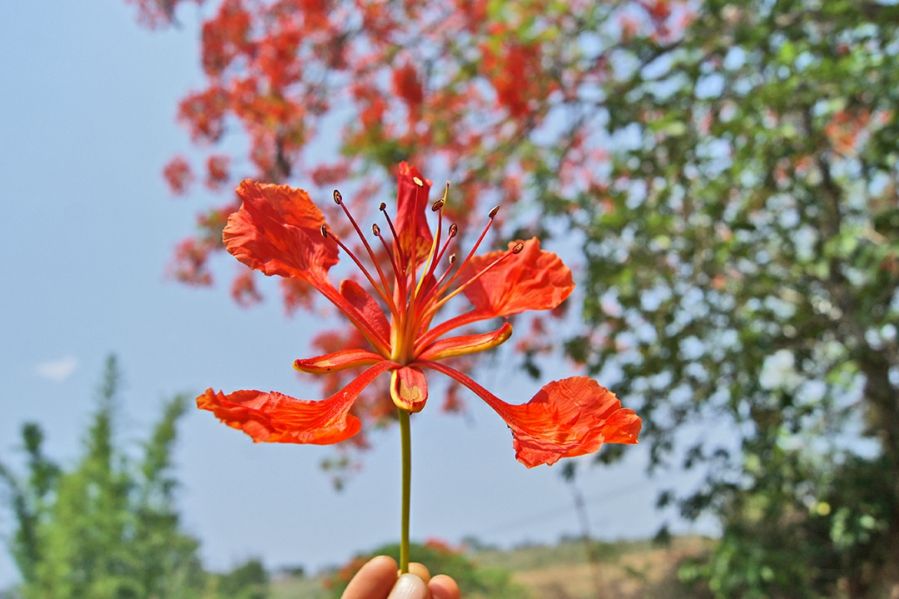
(409, 586)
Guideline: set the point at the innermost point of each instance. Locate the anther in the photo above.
(418, 181)
(453, 230)
(493, 211)
(437, 205)
(376, 229)
(452, 259)
(382, 207)
(516, 249)
(338, 199)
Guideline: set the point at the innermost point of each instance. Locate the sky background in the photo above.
(86, 125)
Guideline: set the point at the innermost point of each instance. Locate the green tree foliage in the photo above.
(742, 278)
(246, 581)
(108, 527)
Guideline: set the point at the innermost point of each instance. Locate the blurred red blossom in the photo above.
(178, 175)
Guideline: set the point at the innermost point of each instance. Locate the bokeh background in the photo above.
(721, 176)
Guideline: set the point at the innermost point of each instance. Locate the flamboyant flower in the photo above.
(279, 231)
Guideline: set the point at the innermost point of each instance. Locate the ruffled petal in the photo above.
(368, 308)
(277, 230)
(566, 418)
(466, 344)
(336, 361)
(532, 279)
(277, 418)
(409, 388)
(411, 216)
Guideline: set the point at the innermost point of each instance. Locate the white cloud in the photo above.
(57, 370)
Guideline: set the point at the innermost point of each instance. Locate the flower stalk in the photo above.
(406, 449)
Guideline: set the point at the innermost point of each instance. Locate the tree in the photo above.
(731, 168)
(745, 272)
(109, 528)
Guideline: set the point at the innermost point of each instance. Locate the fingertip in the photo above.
(382, 562)
(374, 579)
(420, 570)
(444, 587)
(409, 586)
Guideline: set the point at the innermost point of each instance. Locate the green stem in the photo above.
(406, 443)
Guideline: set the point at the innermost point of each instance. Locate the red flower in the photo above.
(217, 171)
(279, 231)
(178, 175)
(407, 86)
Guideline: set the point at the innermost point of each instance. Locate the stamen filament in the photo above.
(401, 281)
(376, 230)
(491, 215)
(330, 235)
(449, 269)
(435, 242)
(423, 306)
(338, 199)
(453, 231)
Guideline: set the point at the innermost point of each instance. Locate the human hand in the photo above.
(377, 579)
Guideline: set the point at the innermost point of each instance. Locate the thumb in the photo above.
(409, 586)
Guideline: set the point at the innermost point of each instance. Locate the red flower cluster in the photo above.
(279, 231)
(457, 84)
(178, 175)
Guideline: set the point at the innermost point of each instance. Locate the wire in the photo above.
(566, 509)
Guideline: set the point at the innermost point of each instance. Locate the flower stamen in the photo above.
(401, 280)
(515, 249)
(440, 290)
(451, 261)
(376, 231)
(435, 242)
(328, 234)
(383, 292)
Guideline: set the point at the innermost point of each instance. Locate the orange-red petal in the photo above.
(467, 344)
(277, 230)
(411, 212)
(532, 279)
(566, 418)
(368, 308)
(277, 418)
(340, 360)
(409, 388)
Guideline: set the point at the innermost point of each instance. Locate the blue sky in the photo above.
(86, 123)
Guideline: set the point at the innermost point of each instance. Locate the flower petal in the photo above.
(367, 306)
(411, 216)
(532, 279)
(409, 388)
(467, 344)
(277, 418)
(277, 230)
(566, 418)
(340, 360)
